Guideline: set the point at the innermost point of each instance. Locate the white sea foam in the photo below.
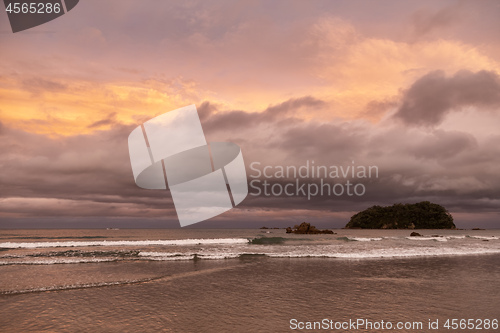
(159, 254)
(439, 239)
(389, 253)
(81, 252)
(53, 261)
(33, 245)
(168, 256)
(446, 238)
(484, 237)
(330, 252)
(365, 239)
(326, 251)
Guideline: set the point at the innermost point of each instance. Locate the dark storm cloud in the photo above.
(433, 96)
(449, 167)
(90, 175)
(443, 145)
(279, 112)
(289, 106)
(316, 140)
(206, 109)
(84, 175)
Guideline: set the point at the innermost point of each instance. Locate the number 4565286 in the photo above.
(33, 8)
(471, 324)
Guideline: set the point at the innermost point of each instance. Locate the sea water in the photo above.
(234, 280)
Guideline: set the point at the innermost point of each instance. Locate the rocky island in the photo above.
(422, 215)
(307, 228)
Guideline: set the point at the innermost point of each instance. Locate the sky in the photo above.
(410, 87)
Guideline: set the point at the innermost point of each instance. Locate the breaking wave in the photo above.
(34, 245)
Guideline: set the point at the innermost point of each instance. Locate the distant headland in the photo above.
(422, 215)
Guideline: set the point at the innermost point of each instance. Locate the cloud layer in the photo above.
(412, 88)
(434, 95)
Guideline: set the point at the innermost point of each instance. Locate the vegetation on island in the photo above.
(422, 215)
(307, 228)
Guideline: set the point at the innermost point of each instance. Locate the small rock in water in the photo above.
(307, 228)
(415, 234)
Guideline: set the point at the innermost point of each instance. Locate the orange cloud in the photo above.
(360, 70)
(82, 107)
(248, 68)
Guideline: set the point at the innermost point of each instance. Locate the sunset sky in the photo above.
(411, 87)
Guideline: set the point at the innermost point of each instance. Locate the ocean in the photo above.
(249, 280)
